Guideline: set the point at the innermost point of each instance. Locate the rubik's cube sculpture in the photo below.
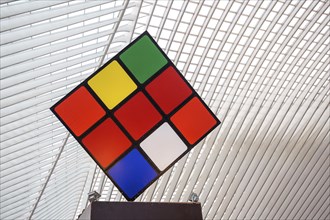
(136, 116)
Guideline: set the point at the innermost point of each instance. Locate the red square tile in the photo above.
(168, 90)
(193, 120)
(138, 115)
(79, 111)
(106, 142)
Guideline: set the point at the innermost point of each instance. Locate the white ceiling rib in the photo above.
(261, 66)
(288, 87)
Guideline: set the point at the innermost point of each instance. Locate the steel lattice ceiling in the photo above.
(262, 67)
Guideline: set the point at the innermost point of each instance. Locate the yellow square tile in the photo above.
(112, 84)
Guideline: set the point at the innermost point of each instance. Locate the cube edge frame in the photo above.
(85, 84)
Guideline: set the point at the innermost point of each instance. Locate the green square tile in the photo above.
(143, 59)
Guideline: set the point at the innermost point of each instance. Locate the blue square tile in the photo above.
(132, 173)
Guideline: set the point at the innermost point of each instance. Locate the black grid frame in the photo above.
(110, 114)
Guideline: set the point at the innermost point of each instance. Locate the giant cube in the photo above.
(136, 116)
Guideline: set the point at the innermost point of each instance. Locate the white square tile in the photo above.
(163, 146)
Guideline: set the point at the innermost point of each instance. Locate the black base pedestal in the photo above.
(142, 210)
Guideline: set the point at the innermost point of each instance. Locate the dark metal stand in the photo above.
(142, 210)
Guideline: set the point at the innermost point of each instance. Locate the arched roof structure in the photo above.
(261, 66)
